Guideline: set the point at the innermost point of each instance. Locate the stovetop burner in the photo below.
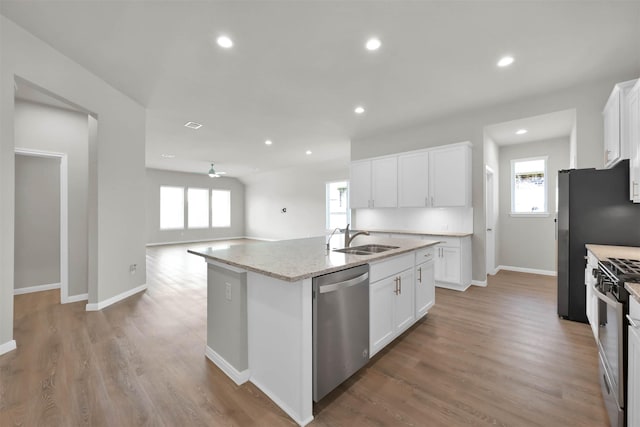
(626, 270)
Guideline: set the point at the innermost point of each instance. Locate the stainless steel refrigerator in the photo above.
(593, 207)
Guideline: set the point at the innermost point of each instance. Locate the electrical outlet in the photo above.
(228, 292)
(133, 268)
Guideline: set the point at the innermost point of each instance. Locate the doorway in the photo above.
(34, 229)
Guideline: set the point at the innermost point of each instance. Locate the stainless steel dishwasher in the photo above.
(340, 327)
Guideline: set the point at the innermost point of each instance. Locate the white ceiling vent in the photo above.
(193, 125)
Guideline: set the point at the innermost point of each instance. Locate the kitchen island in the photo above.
(259, 308)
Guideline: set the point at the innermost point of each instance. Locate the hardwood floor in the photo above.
(489, 356)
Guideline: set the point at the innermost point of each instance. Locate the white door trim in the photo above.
(490, 246)
(64, 215)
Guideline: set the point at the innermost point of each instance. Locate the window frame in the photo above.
(211, 190)
(545, 212)
(183, 208)
(327, 205)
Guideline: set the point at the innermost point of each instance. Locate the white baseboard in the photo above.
(527, 270)
(237, 376)
(179, 242)
(261, 239)
(482, 283)
(38, 288)
(452, 286)
(76, 298)
(7, 347)
(102, 304)
(282, 405)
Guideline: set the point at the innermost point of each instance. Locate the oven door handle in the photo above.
(605, 298)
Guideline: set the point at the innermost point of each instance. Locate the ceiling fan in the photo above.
(213, 174)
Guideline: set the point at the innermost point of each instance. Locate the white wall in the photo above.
(301, 190)
(46, 128)
(116, 167)
(37, 226)
(157, 178)
(587, 99)
(529, 242)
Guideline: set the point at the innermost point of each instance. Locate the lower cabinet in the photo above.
(452, 262)
(591, 302)
(391, 309)
(633, 372)
(401, 290)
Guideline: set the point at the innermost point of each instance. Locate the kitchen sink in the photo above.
(366, 249)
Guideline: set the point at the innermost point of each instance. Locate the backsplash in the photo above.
(458, 220)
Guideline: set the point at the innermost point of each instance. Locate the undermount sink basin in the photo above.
(366, 249)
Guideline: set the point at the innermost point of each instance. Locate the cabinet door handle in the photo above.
(420, 274)
(395, 291)
(400, 285)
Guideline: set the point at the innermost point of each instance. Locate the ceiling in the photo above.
(298, 68)
(539, 128)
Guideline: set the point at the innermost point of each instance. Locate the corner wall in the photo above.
(116, 167)
(157, 178)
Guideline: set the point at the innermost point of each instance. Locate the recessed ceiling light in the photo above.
(193, 125)
(308, 152)
(373, 44)
(359, 110)
(505, 61)
(225, 42)
(268, 142)
(521, 131)
(167, 156)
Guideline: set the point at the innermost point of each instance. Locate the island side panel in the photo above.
(280, 342)
(227, 342)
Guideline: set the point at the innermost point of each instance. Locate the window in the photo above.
(529, 186)
(171, 208)
(198, 208)
(220, 208)
(338, 212)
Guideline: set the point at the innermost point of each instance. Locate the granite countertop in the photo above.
(294, 260)
(603, 252)
(423, 233)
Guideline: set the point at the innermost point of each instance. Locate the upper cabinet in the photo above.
(450, 176)
(374, 183)
(616, 116)
(633, 133)
(413, 180)
(439, 177)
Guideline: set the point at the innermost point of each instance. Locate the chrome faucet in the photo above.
(348, 239)
(329, 239)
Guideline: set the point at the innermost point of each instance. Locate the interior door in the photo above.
(490, 220)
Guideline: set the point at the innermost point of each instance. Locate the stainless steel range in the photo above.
(613, 307)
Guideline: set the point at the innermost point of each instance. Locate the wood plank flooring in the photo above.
(489, 356)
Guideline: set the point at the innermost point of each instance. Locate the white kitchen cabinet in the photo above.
(450, 176)
(633, 132)
(374, 183)
(633, 371)
(616, 117)
(391, 300)
(360, 184)
(452, 262)
(413, 180)
(425, 293)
